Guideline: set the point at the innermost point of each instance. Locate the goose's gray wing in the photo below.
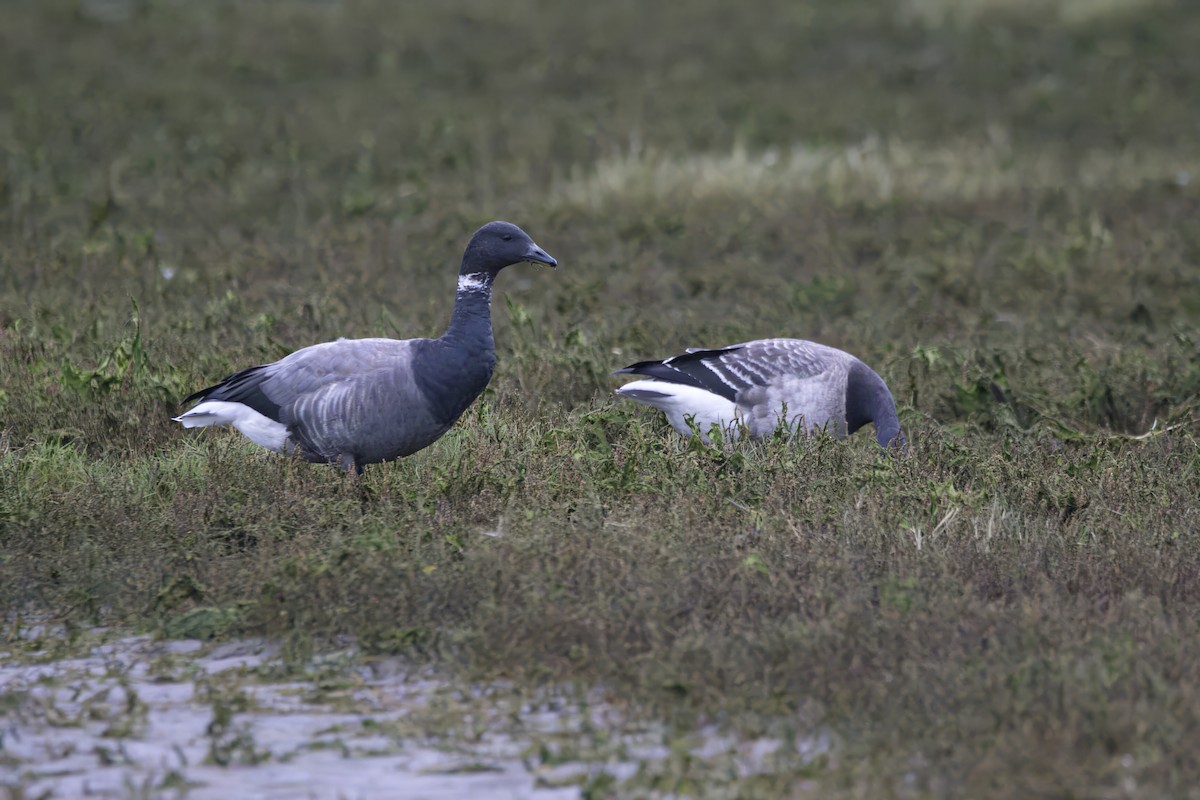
(312, 370)
(732, 371)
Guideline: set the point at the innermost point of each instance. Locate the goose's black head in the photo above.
(498, 245)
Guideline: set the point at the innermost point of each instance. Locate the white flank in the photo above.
(260, 429)
(475, 282)
(680, 402)
(811, 403)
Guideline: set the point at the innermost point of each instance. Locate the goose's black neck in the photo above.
(453, 370)
(471, 323)
(868, 400)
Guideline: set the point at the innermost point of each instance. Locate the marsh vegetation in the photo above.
(994, 204)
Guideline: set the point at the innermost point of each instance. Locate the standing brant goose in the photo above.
(362, 401)
(759, 384)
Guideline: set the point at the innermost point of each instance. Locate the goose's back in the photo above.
(355, 397)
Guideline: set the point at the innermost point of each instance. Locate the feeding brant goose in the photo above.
(757, 385)
(362, 401)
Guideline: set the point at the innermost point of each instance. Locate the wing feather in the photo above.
(730, 371)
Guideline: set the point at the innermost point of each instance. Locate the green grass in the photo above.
(995, 207)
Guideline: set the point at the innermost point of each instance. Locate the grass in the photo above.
(995, 208)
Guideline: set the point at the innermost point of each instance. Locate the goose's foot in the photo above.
(354, 472)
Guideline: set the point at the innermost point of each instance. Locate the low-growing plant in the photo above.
(992, 206)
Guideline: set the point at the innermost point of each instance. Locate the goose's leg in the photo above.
(354, 472)
(350, 464)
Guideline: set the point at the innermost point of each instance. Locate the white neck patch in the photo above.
(475, 282)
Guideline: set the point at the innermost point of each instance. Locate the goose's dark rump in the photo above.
(243, 387)
(690, 369)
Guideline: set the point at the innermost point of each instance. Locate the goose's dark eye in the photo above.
(508, 237)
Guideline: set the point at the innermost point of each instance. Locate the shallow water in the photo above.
(142, 718)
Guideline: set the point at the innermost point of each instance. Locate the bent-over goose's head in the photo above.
(501, 244)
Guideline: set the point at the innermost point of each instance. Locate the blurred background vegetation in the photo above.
(994, 203)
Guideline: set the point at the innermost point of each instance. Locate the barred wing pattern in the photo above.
(767, 381)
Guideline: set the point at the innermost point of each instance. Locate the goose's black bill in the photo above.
(539, 256)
